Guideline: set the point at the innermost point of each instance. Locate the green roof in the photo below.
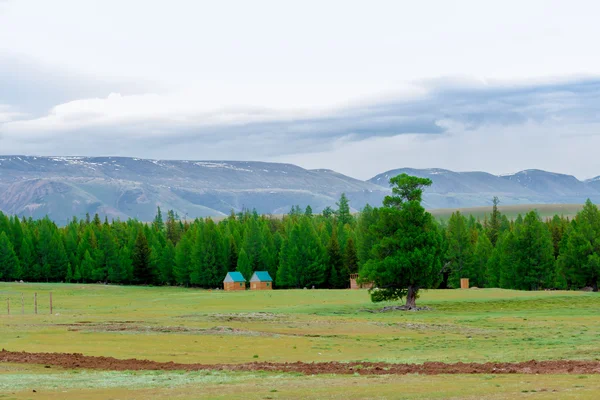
(234, 277)
(261, 276)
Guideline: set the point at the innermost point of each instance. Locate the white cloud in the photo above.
(8, 113)
(357, 87)
(570, 149)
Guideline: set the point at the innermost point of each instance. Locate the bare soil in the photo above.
(75, 360)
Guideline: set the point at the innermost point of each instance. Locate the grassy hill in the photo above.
(512, 211)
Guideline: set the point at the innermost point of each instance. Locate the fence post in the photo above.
(50, 303)
(35, 302)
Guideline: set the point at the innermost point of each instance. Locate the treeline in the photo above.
(527, 254)
(301, 249)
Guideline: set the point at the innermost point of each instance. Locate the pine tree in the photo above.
(365, 235)
(308, 211)
(336, 274)
(460, 249)
(232, 254)
(535, 254)
(174, 229)
(407, 254)
(166, 264)
(343, 212)
(493, 229)
(351, 257)
(87, 266)
(579, 260)
(483, 252)
(181, 269)
(141, 260)
(9, 263)
(253, 242)
(158, 223)
(243, 265)
(27, 258)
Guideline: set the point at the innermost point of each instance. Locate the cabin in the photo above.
(261, 280)
(234, 281)
(355, 285)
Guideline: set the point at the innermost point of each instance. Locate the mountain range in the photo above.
(121, 187)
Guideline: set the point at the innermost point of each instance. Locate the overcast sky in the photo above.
(360, 87)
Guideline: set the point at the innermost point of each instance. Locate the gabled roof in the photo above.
(261, 276)
(234, 277)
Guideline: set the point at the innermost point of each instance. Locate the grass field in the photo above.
(512, 211)
(188, 325)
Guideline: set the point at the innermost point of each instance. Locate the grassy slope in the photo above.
(472, 325)
(512, 211)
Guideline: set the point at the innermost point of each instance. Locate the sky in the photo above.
(360, 87)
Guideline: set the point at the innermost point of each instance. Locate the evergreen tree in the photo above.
(407, 256)
(27, 258)
(528, 260)
(174, 228)
(335, 264)
(579, 261)
(87, 266)
(460, 249)
(141, 260)
(158, 223)
(351, 257)
(253, 242)
(308, 211)
(343, 213)
(366, 236)
(165, 273)
(302, 257)
(232, 254)
(243, 265)
(483, 253)
(327, 212)
(493, 229)
(181, 270)
(9, 263)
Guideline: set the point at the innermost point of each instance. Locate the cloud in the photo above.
(35, 87)
(455, 124)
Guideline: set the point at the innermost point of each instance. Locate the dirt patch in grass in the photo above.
(135, 328)
(76, 360)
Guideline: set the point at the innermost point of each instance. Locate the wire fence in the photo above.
(17, 303)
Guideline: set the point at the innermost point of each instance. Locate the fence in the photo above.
(16, 299)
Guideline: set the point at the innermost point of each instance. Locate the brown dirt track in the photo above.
(75, 360)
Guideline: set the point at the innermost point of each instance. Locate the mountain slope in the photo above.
(471, 189)
(119, 187)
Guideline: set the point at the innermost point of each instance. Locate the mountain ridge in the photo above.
(127, 187)
(452, 189)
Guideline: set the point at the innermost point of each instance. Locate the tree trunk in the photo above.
(595, 286)
(411, 297)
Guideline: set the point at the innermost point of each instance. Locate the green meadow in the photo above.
(200, 326)
(511, 211)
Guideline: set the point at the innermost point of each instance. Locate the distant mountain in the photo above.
(471, 189)
(118, 187)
